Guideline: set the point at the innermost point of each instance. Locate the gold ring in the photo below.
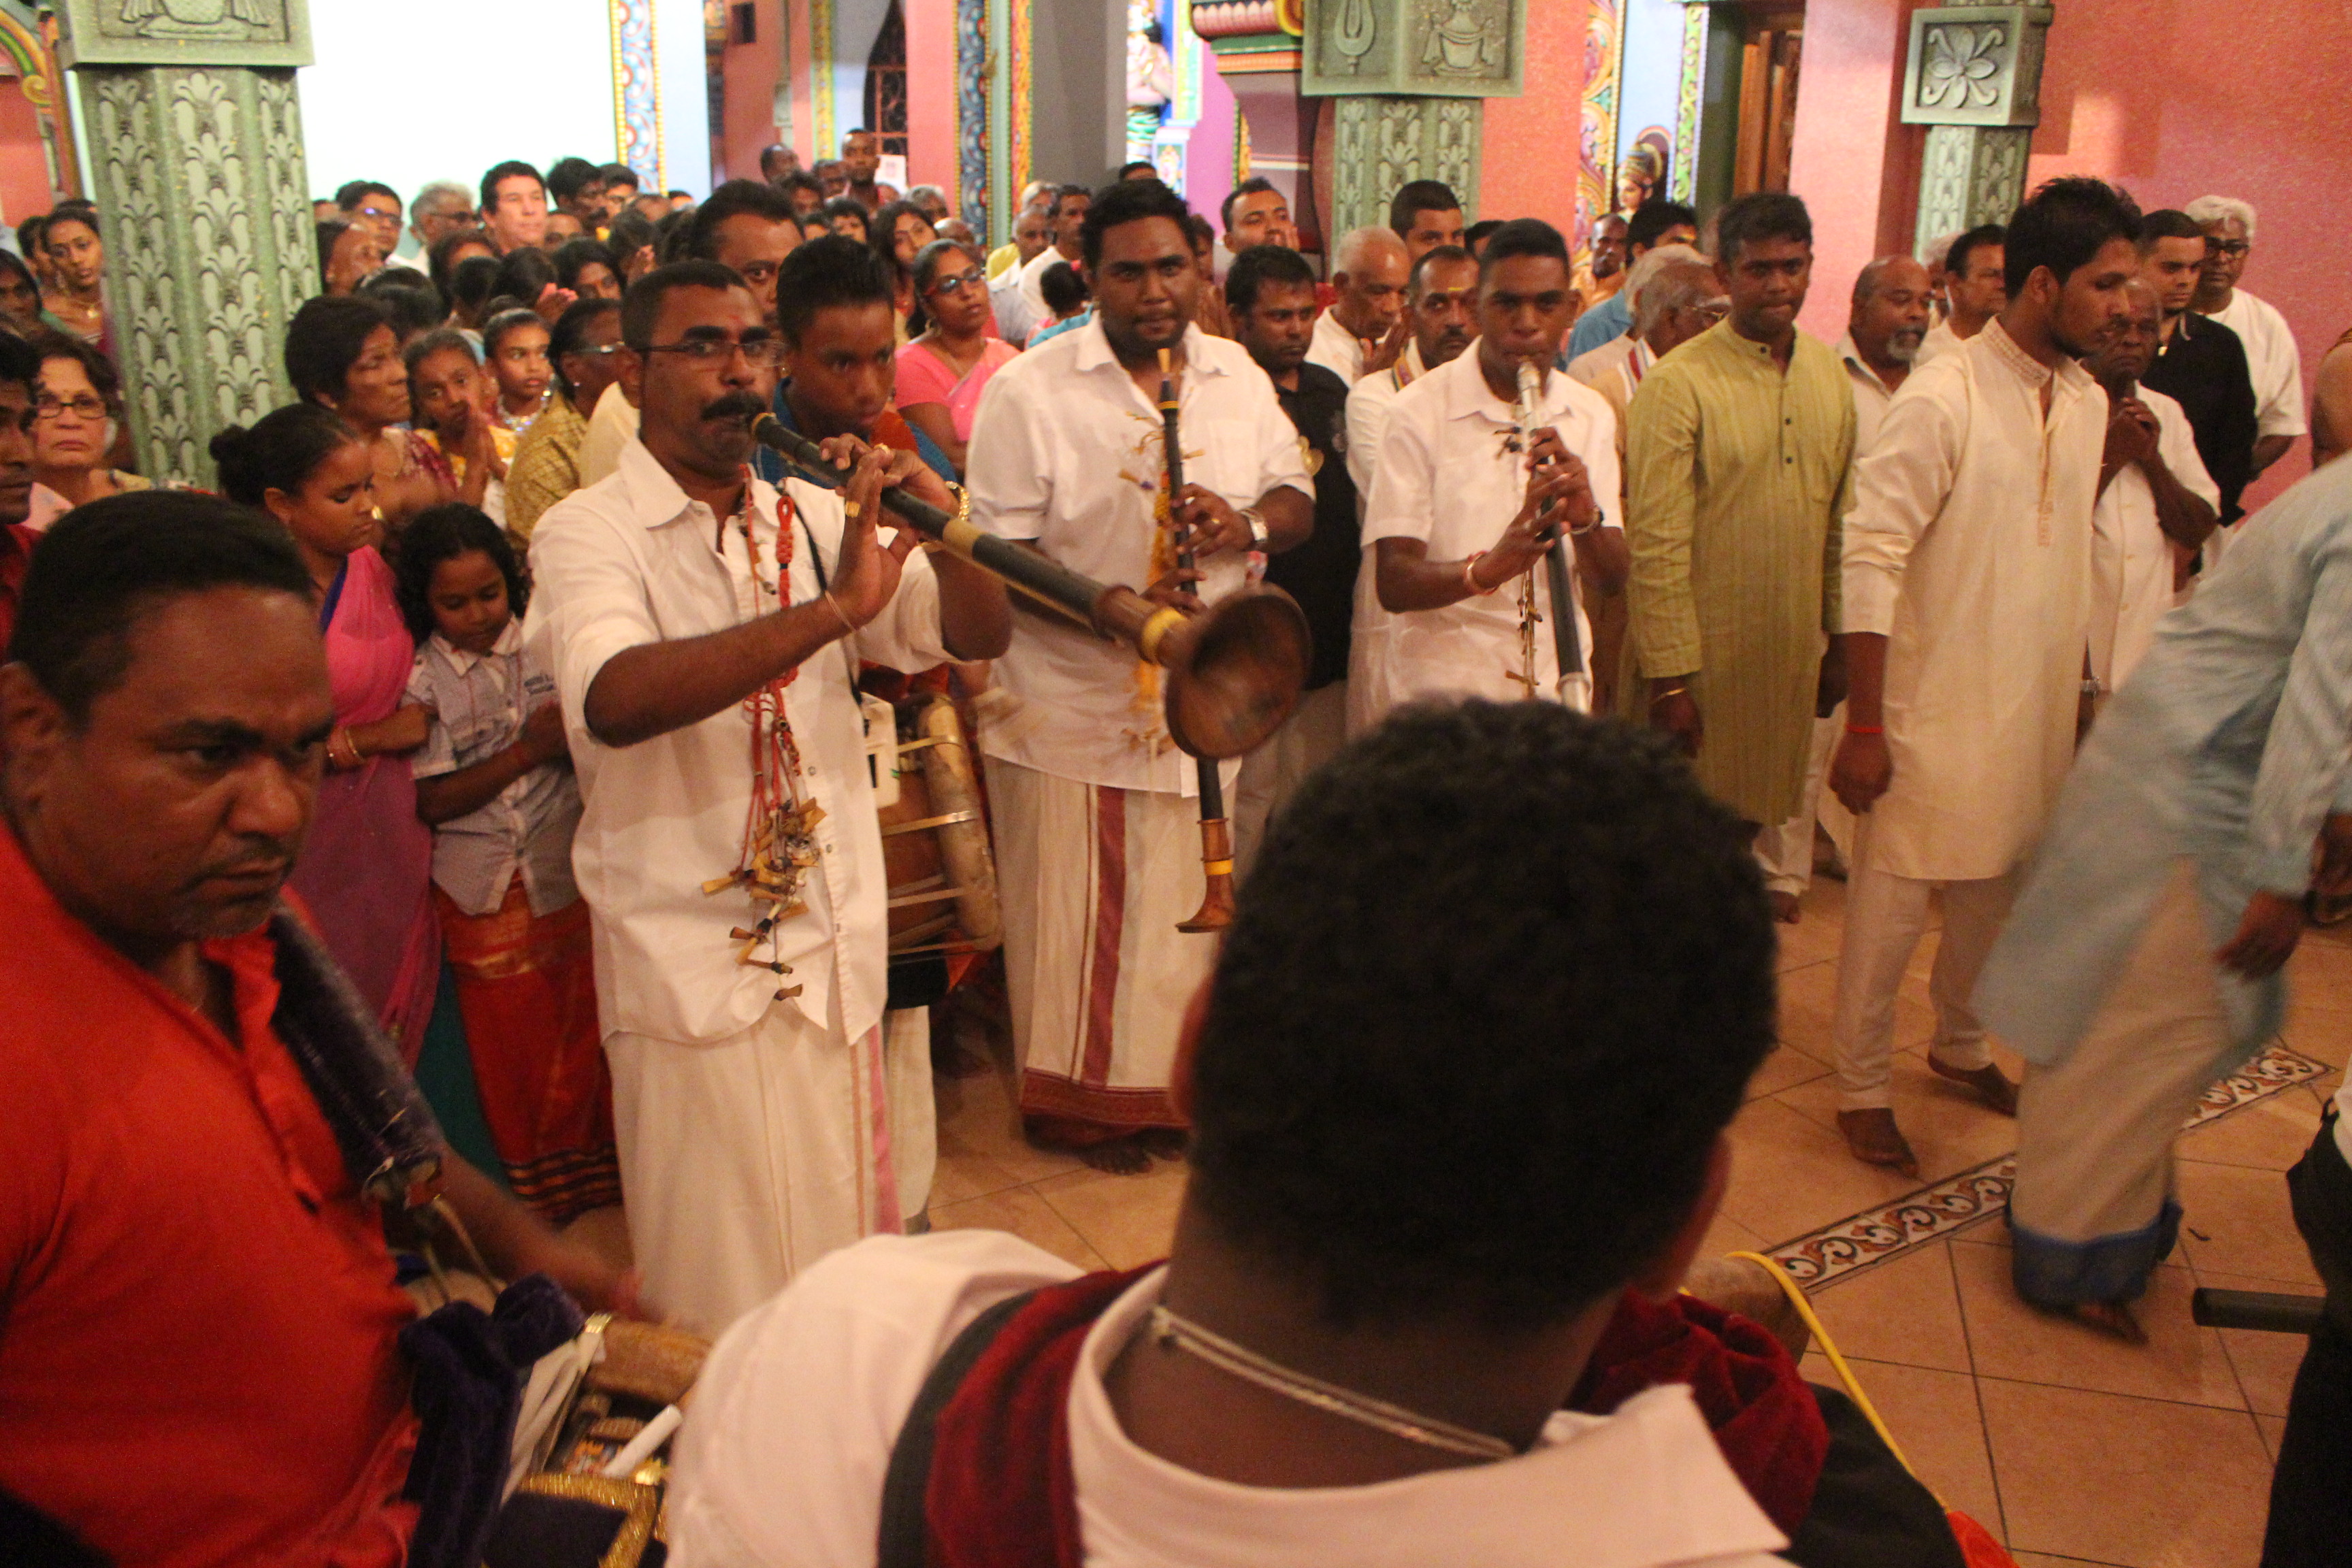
(850, 509)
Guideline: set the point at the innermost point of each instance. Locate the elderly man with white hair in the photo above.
(2277, 369)
(1365, 329)
(442, 207)
(1594, 366)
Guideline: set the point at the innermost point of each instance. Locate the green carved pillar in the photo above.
(196, 163)
(1974, 79)
(1407, 79)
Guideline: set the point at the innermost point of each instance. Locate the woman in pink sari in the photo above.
(941, 373)
(365, 870)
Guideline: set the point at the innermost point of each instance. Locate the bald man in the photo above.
(1365, 330)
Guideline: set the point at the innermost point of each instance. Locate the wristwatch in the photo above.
(1259, 532)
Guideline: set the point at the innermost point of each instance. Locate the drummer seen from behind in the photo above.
(693, 616)
(1463, 505)
(1097, 812)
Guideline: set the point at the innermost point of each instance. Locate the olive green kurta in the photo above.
(1736, 476)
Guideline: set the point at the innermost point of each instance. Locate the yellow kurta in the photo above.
(546, 467)
(1736, 475)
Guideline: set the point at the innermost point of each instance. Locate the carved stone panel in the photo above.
(1974, 65)
(1432, 48)
(1969, 176)
(271, 32)
(204, 212)
(1379, 144)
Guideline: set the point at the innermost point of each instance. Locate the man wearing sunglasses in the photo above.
(730, 851)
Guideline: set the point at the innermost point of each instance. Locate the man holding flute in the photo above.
(1467, 498)
(1095, 810)
(694, 617)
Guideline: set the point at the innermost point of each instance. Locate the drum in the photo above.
(935, 847)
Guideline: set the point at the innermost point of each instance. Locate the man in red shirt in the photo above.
(198, 1324)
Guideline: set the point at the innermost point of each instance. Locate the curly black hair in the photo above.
(441, 533)
(1497, 981)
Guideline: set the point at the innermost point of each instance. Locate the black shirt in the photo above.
(2203, 369)
(1320, 571)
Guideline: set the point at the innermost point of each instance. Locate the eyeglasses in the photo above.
(47, 408)
(958, 283)
(765, 353)
(591, 351)
(2227, 248)
(378, 212)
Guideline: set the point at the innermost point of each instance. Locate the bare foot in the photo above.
(1116, 1156)
(1164, 1142)
(1872, 1137)
(1784, 907)
(1992, 1085)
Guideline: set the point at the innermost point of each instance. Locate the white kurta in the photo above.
(1369, 402)
(1445, 476)
(1969, 548)
(2131, 559)
(2272, 362)
(1335, 349)
(782, 1456)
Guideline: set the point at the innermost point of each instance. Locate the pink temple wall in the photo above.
(931, 95)
(23, 171)
(753, 70)
(1528, 155)
(1854, 160)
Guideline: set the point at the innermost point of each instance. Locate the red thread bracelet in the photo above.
(1865, 729)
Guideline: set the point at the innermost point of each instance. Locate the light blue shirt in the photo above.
(1613, 318)
(2230, 745)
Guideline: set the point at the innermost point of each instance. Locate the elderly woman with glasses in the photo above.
(77, 414)
(942, 373)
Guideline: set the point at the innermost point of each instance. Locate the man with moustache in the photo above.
(200, 1350)
(688, 612)
(1966, 615)
(1974, 289)
(1441, 304)
(1738, 449)
(1364, 330)
(861, 156)
(1027, 310)
(1097, 827)
(1464, 504)
(1270, 295)
(1888, 318)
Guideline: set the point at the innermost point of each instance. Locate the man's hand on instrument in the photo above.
(1674, 710)
(1208, 523)
(1549, 458)
(1175, 590)
(869, 574)
(2267, 934)
(1860, 771)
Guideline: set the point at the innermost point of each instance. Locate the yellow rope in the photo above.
(1796, 1294)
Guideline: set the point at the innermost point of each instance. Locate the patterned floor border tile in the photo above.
(1945, 1208)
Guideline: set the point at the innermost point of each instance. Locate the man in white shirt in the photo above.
(2270, 356)
(1365, 330)
(1465, 504)
(2154, 494)
(730, 851)
(1070, 203)
(1966, 605)
(1593, 366)
(1380, 1201)
(1888, 318)
(1974, 289)
(1441, 303)
(1097, 812)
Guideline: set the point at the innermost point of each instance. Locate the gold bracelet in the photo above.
(847, 626)
(1669, 692)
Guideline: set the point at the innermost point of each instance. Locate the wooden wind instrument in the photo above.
(1233, 670)
(1216, 911)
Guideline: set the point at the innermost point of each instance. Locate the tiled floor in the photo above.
(2075, 1450)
